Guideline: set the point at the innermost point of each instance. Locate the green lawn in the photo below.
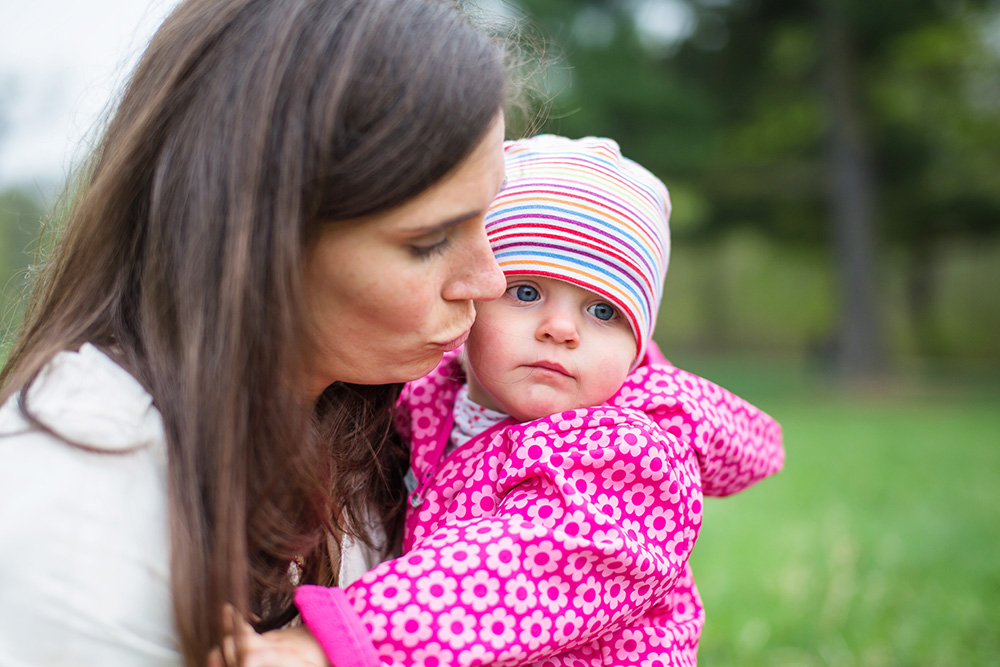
(879, 544)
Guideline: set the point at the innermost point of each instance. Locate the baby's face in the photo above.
(546, 346)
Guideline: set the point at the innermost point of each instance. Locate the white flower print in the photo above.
(596, 620)
(536, 629)
(671, 493)
(621, 474)
(665, 385)
(596, 438)
(480, 590)
(411, 625)
(503, 556)
(415, 563)
(376, 623)
(444, 536)
(485, 531)
(436, 591)
(424, 421)
(527, 530)
(567, 626)
(630, 643)
(615, 592)
(607, 504)
(598, 457)
(631, 397)
(588, 595)
(611, 565)
(610, 539)
(677, 426)
(431, 654)
(585, 483)
(574, 524)
(569, 421)
(632, 441)
(633, 530)
(552, 593)
(541, 558)
(654, 467)
(544, 512)
(637, 499)
(498, 628)
(458, 627)
(694, 506)
(392, 655)
(579, 564)
(654, 661)
(676, 548)
(482, 502)
(459, 558)
(476, 655)
(520, 593)
(606, 416)
(539, 427)
(390, 592)
(660, 523)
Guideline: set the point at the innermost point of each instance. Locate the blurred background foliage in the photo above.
(834, 167)
(835, 174)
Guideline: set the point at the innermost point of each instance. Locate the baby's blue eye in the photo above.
(602, 311)
(526, 293)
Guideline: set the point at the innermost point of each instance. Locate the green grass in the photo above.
(879, 544)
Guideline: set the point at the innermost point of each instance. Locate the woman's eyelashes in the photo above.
(431, 246)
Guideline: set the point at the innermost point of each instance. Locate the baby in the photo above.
(559, 465)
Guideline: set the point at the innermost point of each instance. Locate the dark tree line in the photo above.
(853, 125)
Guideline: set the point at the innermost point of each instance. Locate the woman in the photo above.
(282, 220)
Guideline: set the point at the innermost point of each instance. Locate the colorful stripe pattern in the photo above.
(577, 211)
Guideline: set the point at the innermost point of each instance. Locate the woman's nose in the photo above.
(558, 326)
(477, 275)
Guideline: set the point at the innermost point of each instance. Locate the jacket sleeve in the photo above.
(592, 528)
(738, 444)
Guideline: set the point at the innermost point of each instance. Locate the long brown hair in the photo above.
(246, 127)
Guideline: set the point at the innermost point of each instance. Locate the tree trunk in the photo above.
(860, 350)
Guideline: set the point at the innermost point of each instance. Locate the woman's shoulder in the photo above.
(85, 555)
(87, 398)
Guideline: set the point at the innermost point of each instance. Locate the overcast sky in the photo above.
(60, 63)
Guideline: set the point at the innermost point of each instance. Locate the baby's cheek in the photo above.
(605, 380)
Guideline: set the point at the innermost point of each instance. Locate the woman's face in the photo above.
(390, 293)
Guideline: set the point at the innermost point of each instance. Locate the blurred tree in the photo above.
(856, 125)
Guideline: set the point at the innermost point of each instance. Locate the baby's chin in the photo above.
(537, 410)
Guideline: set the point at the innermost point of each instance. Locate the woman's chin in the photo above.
(412, 370)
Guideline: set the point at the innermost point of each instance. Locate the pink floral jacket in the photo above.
(562, 541)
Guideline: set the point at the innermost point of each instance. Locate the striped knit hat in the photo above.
(577, 211)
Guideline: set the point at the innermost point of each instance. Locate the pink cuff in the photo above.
(336, 626)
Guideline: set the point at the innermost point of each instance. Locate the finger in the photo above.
(214, 658)
(228, 648)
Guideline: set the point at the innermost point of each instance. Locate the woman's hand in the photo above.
(288, 647)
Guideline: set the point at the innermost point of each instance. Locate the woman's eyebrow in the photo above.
(444, 224)
(452, 221)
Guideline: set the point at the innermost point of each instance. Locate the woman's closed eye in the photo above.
(430, 245)
(603, 311)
